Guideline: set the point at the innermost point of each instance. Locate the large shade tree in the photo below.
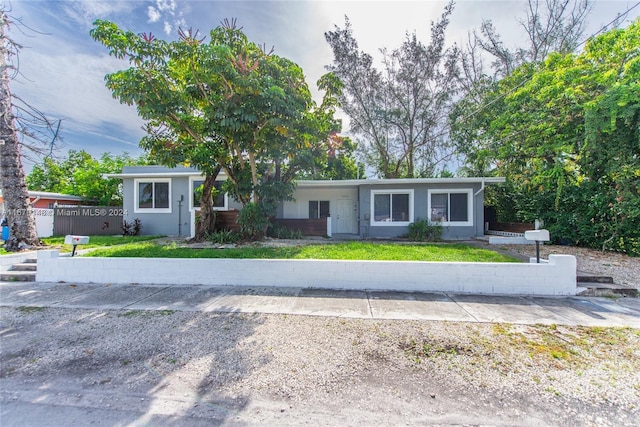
(548, 26)
(398, 113)
(566, 132)
(226, 104)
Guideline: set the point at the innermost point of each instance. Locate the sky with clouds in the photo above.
(62, 69)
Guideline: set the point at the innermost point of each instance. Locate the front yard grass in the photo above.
(444, 252)
(57, 242)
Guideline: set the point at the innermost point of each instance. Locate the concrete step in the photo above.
(594, 279)
(31, 261)
(18, 276)
(598, 289)
(24, 267)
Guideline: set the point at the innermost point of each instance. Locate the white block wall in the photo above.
(557, 277)
(44, 222)
(8, 260)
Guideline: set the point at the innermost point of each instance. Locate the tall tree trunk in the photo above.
(17, 209)
(207, 219)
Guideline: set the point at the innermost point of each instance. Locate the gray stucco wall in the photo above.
(165, 223)
(420, 200)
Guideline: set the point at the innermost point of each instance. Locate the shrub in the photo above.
(279, 232)
(422, 231)
(253, 221)
(223, 237)
(131, 228)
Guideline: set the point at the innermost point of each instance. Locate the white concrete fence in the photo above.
(557, 277)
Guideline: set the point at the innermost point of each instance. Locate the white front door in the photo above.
(344, 217)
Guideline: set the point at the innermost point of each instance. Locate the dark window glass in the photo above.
(197, 193)
(400, 207)
(324, 208)
(459, 207)
(145, 195)
(382, 207)
(218, 201)
(439, 207)
(313, 209)
(161, 196)
(318, 209)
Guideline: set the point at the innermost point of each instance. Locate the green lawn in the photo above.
(57, 242)
(348, 251)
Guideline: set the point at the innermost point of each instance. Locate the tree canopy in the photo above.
(565, 132)
(398, 113)
(224, 104)
(80, 174)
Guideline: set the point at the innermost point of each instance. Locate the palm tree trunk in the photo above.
(17, 209)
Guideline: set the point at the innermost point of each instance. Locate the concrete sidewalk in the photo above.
(586, 311)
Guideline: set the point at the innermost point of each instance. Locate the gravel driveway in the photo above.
(177, 368)
(77, 367)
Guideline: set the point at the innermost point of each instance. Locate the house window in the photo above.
(451, 207)
(392, 207)
(318, 209)
(153, 195)
(219, 201)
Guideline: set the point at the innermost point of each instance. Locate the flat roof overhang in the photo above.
(401, 181)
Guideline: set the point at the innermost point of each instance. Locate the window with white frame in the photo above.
(451, 207)
(318, 209)
(220, 200)
(391, 207)
(153, 195)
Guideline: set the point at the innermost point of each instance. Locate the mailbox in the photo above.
(75, 240)
(538, 236)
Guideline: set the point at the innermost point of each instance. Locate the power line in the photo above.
(527, 79)
(612, 22)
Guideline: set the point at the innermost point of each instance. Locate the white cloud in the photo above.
(168, 29)
(166, 5)
(85, 12)
(167, 11)
(153, 14)
(71, 87)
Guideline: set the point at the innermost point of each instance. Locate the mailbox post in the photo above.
(538, 236)
(75, 241)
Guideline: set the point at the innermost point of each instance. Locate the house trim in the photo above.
(398, 181)
(449, 191)
(136, 200)
(391, 192)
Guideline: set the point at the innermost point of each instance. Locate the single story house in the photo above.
(165, 201)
